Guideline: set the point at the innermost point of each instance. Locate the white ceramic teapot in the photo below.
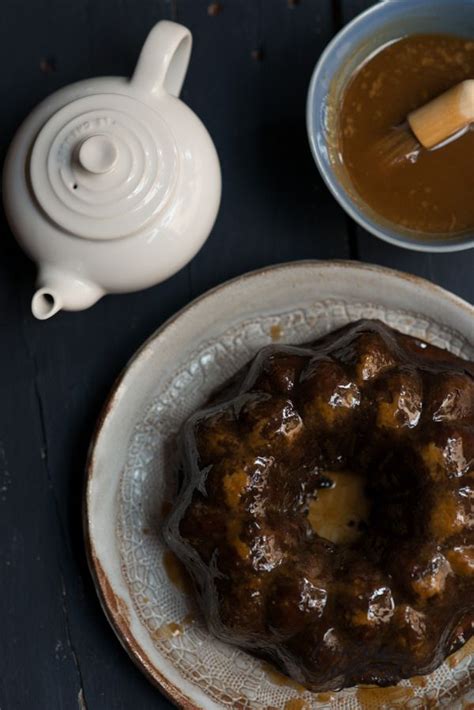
(113, 184)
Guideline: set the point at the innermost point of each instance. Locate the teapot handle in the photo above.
(164, 59)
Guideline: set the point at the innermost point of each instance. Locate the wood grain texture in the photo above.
(56, 647)
(248, 78)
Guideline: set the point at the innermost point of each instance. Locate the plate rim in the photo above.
(110, 603)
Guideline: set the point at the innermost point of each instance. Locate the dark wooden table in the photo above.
(248, 77)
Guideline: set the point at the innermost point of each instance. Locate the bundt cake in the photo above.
(326, 514)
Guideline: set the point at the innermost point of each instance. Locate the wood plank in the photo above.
(452, 271)
(36, 656)
(54, 376)
(248, 79)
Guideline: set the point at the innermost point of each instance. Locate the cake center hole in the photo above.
(340, 513)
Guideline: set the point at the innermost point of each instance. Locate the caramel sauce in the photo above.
(336, 513)
(276, 332)
(176, 572)
(419, 681)
(325, 697)
(234, 528)
(168, 631)
(234, 485)
(425, 191)
(374, 698)
(173, 629)
(295, 704)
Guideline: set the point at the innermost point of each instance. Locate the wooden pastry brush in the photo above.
(431, 126)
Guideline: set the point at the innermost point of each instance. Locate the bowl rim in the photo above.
(334, 185)
(111, 603)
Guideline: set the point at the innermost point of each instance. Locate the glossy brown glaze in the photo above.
(425, 191)
(390, 603)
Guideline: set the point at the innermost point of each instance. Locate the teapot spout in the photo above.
(62, 291)
(45, 303)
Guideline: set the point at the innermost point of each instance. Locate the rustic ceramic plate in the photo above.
(132, 473)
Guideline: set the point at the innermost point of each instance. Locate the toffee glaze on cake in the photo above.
(389, 602)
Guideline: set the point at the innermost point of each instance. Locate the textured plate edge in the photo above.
(111, 602)
(111, 606)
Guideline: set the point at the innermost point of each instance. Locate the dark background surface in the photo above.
(250, 68)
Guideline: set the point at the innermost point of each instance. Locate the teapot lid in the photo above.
(104, 165)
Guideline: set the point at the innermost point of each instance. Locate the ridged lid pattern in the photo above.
(103, 166)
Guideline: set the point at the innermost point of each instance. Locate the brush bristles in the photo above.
(398, 146)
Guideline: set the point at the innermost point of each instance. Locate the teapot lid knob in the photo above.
(98, 154)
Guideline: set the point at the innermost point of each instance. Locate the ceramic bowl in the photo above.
(382, 23)
(132, 474)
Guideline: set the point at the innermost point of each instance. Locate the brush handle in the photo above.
(441, 118)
